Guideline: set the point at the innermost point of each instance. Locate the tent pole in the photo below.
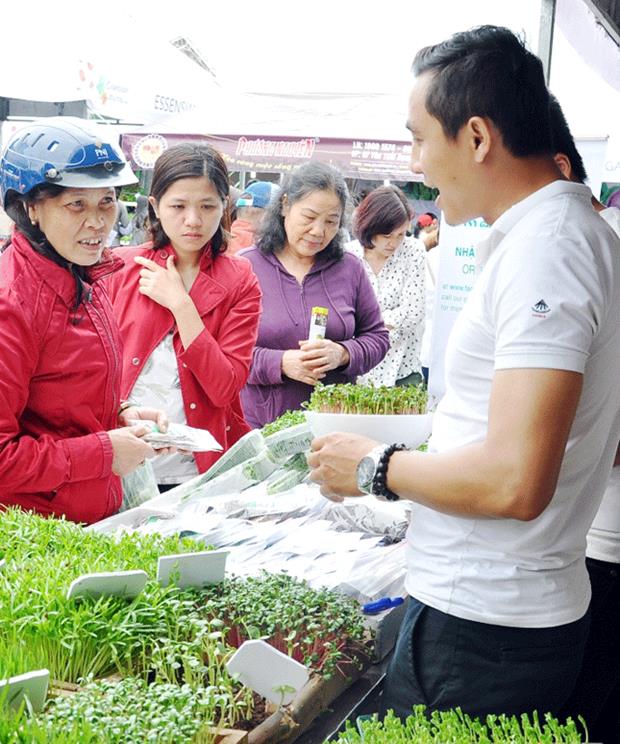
(545, 35)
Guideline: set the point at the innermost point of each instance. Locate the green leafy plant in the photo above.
(160, 635)
(350, 398)
(420, 191)
(201, 662)
(456, 727)
(285, 421)
(93, 636)
(123, 712)
(284, 690)
(316, 627)
(16, 658)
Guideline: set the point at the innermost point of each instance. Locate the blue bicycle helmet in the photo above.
(61, 150)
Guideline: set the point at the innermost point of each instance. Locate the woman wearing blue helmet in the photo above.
(61, 451)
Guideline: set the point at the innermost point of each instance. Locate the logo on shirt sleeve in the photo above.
(540, 309)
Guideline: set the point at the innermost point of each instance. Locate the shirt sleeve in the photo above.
(220, 359)
(266, 367)
(547, 304)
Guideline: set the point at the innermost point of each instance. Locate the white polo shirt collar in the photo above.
(512, 216)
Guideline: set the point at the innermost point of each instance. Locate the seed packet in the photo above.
(318, 323)
(287, 442)
(186, 438)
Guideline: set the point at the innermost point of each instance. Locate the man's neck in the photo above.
(514, 180)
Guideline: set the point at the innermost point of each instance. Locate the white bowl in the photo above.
(410, 429)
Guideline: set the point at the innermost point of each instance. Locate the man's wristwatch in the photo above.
(371, 471)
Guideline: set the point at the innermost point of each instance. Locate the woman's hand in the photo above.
(129, 449)
(163, 286)
(322, 355)
(133, 413)
(295, 369)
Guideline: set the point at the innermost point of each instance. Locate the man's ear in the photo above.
(563, 163)
(153, 203)
(481, 137)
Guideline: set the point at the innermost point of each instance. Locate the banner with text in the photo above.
(455, 279)
(364, 159)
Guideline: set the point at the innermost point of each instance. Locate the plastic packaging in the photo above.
(238, 478)
(139, 486)
(250, 445)
(184, 437)
(318, 323)
(288, 442)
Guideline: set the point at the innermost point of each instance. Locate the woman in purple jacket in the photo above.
(300, 264)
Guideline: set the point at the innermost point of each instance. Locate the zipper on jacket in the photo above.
(116, 367)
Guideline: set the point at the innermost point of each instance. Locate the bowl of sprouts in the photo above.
(386, 414)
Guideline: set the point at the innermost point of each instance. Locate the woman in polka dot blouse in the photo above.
(394, 263)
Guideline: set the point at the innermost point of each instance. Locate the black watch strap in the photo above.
(379, 483)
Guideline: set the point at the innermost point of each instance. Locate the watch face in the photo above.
(365, 473)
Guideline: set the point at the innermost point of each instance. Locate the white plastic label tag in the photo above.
(268, 672)
(127, 584)
(32, 685)
(188, 570)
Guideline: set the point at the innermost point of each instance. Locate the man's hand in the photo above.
(334, 459)
(323, 355)
(163, 286)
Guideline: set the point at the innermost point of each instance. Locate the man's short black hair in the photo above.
(563, 141)
(488, 72)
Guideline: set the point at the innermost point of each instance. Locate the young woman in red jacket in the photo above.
(61, 450)
(188, 313)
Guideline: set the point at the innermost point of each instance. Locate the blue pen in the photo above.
(385, 603)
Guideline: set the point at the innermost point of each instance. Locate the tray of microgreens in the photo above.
(386, 414)
(156, 643)
(158, 635)
(316, 627)
(365, 399)
(120, 712)
(76, 638)
(456, 727)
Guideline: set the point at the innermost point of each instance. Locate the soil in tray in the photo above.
(260, 713)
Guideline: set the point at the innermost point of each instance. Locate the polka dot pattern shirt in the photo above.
(400, 290)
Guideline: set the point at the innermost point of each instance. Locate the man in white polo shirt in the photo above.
(525, 436)
(596, 696)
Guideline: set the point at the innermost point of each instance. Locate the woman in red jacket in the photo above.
(60, 449)
(188, 313)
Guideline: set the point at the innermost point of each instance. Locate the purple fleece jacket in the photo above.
(354, 321)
